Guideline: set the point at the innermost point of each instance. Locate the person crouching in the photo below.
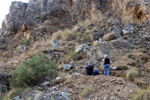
(90, 69)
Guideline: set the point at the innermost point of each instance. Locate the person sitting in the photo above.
(90, 69)
(106, 61)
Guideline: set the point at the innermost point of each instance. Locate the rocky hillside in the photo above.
(73, 32)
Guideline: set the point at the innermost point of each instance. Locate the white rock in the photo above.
(82, 47)
(55, 43)
(46, 83)
(128, 30)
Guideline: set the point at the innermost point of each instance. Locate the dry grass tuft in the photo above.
(68, 35)
(57, 35)
(132, 73)
(141, 95)
(87, 91)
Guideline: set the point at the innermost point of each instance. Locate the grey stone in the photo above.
(115, 22)
(128, 30)
(77, 74)
(112, 98)
(147, 37)
(2, 41)
(23, 48)
(98, 35)
(82, 47)
(55, 43)
(67, 66)
(38, 95)
(46, 83)
(64, 95)
(117, 30)
(17, 98)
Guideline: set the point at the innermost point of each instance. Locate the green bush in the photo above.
(26, 42)
(32, 71)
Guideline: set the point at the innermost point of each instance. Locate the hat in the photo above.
(105, 56)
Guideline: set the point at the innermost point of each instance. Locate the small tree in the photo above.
(33, 71)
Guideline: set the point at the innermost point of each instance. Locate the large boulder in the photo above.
(82, 47)
(15, 19)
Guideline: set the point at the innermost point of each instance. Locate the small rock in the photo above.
(64, 95)
(147, 37)
(112, 98)
(17, 98)
(2, 41)
(106, 98)
(38, 95)
(67, 66)
(23, 48)
(116, 22)
(128, 30)
(55, 43)
(46, 83)
(113, 22)
(77, 74)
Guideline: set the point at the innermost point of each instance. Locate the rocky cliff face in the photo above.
(80, 31)
(36, 11)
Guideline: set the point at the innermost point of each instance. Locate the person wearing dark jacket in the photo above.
(90, 69)
(106, 61)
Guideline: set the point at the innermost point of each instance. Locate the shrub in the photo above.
(132, 73)
(68, 35)
(33, 71)
(87, 91)
(141, 95)
(26, 42)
